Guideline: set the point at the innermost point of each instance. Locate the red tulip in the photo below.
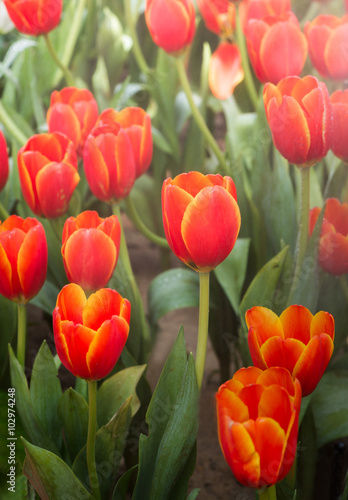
(90, 249)
(171, 23)
(23, 258)
(34, 17)
(225, 70)
(257, 413)
(298, 111)
(218, 15)
(201, 218)
(74, 113)
(4, 168)
(259, 9)
(295, 340)
(90, 334)
(277, 47)
(47, 166)
(333, 244)
(339, 105)
(327, 37)
(109, 162)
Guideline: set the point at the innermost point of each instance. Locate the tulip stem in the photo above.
(197, 114)
(151, 236)
(202, 326)
(268, 493)
(21, 333)
(92, 428)
(3, 212)
(67, 73)
(12, 128)
(248, 77)
(139, 57)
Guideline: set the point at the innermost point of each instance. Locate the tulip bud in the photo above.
(35, 17)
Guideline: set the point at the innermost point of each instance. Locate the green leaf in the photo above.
(50, 476)
(21, 488)
(170, 290)
(306, 455)
(194, 493)
(8, 324)
(121, 488)
(115, 390)
(47, 297)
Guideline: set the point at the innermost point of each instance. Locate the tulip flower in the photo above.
(298, 111)
(201, 218)
(327, 37)
(219, 16)
(47, 166)
(277, 47)
(90, 249)
(34, 17)
(171, 23)
(339, 105)
(257, 414)
(333, 243)
(296, 340)
(23, 258)
(109, 162)
(73, 112)
(4, 168)
(90, 334)
(259, 9)
(225, 70)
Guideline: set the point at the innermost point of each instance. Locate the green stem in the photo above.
(197, 114)
(138, 54)
(133, 214)
(67, 73)
(268, 493)
(202, 326)
(248, 77)
(92, 428)
(10, 125)
(21, 333)
(57, 228)
(3, 212)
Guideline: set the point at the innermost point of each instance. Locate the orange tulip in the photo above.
(90, 334)
(298, 111)
(339, 105)
(295, 340)
(218, 15)
(4, 168)
(47, 166)
(257, 413)
(225, 70)
(277, 47)
(171, 23)
(34, 17)
(201, 218)
(90, 249)
(23, 258)
(72, 112)
(327, 37)
(333, 244)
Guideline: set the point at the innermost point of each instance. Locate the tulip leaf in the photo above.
(47, 297)
(231, 272)
(115, 390)
(8, 322)
(121, 488)
(171, 290)
(306, 455)
(50, 476)
(194, 493)
(73, 413)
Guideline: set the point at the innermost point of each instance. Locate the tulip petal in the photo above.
(296, 322)
(251, 396)
(333, 254)
(242, 455)
(194, 182)
(71, 302)
(78, 339)
(247, 376)
(225, 70)
(265, 323)
(6, 288)
(60, 341)
(96, 169)
(337, 213)
(322, 322)
(335, 53)
(278, 352)
(255, 349)
(230, 407)
(100, 307)
(62, 118)
(275, 403)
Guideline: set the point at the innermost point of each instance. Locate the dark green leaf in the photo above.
(306, 455)
(47, 297)
(121, 488)
(8, 323)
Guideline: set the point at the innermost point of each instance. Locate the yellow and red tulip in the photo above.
(34, 17)
(219, 16)
(225, 70)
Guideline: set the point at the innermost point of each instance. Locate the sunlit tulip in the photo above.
(333, 244)
(90, 249)
(257, 414)
(218, 15)
(225, 70)
(295, 340)
(90, 334)
(327, 37)
(74, 113)
(34, 17)
(4, 168)
(47, 166)
(298, 111)
(171, 23)
(23, 258)
(339, 105)
(201, 218)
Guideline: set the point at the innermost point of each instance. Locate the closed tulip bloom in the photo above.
(4, 168)
(90, 249)
(257, 414)
(296, 340)
(171, 23)
(225, 70)
(299, 114)
(277, 47)
(34, 17)
(259, 9)
(73, 112)
(90, 334)
(339, 105)
(218, 15)
(47, 166)
(23, 258)
(201, 218)
(333, 243)
(327, 37)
